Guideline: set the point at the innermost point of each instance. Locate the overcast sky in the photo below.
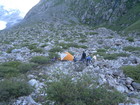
(16, 7)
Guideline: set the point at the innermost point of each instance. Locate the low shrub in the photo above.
(131, 48)
(38, 50)
(67, 92)
(44, 45)
(82, 41)
(32, 46)
(8, 72)
(53, 55)
(68, 45)
(40, 59)
(10, 50)
(115, 56)
(130, 39)
(83, 46)
(133, 72)
(13, 64)
(91, 33)
(56, 49)
(14, 68)
(13, 89)
(25, 67)
(101, 50)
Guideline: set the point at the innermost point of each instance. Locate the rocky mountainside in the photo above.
(27, 53)
(93, 12)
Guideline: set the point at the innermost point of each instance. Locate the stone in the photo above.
(16, 50)
(116, 73)
(131, 94)
(34, 82)
(130, 87)
(31, 76)
(136, 85)
(19, 57)
(129, 80)
(31, 101)
(122, 88)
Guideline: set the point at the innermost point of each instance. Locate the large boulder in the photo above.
(136, 86)
(122, 88)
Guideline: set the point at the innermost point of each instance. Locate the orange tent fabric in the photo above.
(67, 56)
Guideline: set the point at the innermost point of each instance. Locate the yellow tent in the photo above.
(66, 56)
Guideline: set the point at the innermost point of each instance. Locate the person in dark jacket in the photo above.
(83, 58)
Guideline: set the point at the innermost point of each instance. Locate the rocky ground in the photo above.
(49, 36)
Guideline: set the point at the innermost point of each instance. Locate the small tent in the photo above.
(66, 56)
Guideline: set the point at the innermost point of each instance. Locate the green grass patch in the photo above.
(32, 46)
(25, 67)
(44, 45)
(14, 68)
(66, 92)
(13, 64)
(6, 72)
(38, 50)
(56, 49)
(68, 45)
(53, 55)
(131, 48)
(115, 56)
(130, 39)
(40, 60)
(129, 21)
(83, 41)
(10, 50)
(111, 56)
(101, 50)
(91, 33)
(133, 72)
(134, 27)
(13, 89)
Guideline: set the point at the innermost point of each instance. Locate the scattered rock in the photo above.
(129, 81)
(136, 85)
(122, 88)
(34, 82)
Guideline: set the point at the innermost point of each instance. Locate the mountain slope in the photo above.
(113, 13)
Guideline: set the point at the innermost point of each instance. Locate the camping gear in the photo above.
(66, 56)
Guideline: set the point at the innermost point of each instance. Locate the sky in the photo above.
(17, 8)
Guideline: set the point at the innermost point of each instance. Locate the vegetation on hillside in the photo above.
(133, 72)
(81, 92)
(130, 19)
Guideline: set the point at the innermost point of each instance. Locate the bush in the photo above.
(25, 67)
(13, 89)
(131, 48)
(40, 59)
(82, 41)
(38, 50)
(133, 72)
(8, 72)
(53, 55)
(67, 92)
(32, 46)
(101, 50)
(115, 56)
(56, 49)
(83, 46)
(44, 45)
(130, 39)
(10, 50)
(13, 64)
(14, 68)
